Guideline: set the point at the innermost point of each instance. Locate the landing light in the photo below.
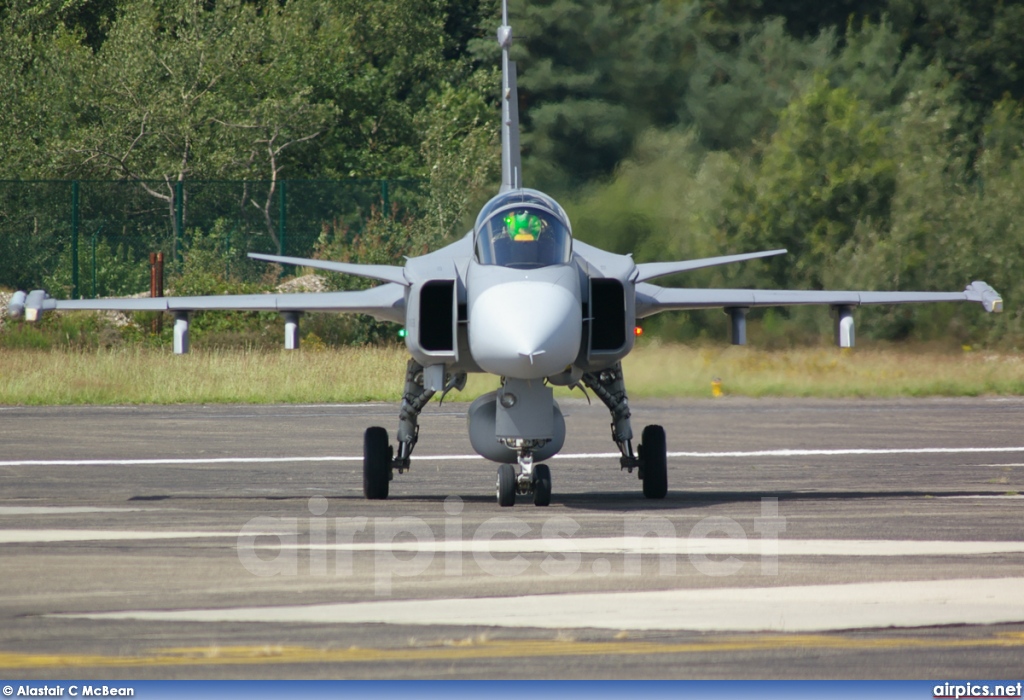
(508, 400)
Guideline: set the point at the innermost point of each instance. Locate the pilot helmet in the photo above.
(523, 225)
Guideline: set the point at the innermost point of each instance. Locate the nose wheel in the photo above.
(536, 481)
(507, 485)
(541, 485)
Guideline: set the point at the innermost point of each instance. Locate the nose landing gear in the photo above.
(531, 479)
(541, 485)
(507, 485)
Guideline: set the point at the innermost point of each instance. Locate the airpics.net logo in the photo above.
(505, 546)
(972, 691)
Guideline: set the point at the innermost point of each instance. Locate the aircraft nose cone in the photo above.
(525, 329)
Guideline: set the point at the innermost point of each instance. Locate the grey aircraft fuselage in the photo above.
(519, 298)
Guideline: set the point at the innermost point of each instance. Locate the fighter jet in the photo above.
(519, 298)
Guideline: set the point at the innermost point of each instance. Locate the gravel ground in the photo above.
(5, 298)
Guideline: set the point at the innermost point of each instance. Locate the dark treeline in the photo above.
(880, 141)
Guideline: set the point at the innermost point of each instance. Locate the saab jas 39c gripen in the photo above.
(516, 297)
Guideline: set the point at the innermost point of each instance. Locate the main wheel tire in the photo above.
(541, 485)
(506, 487)
(376, 463)
(655, 462)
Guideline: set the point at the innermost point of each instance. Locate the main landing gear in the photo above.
(377, 454)
(379, 459)
(651, 460)
(531, 479)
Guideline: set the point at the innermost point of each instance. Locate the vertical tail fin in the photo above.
(511, 167)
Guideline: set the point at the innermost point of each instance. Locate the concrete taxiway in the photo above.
(799, 539)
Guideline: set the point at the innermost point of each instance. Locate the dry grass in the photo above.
(671, 370)
(141, 375)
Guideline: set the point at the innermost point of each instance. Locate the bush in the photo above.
(64, 331)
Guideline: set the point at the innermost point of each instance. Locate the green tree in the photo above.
(977, 43)
(991, 226)
(43, 96)
(159, 103)
(89, 18)
(826, 168)
(593, 76)
(461, 156)
(734, 95)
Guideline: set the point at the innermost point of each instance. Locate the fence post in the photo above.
(94, 265)
(156, 287)
(74, 240)
(179, 219)
(281, 218)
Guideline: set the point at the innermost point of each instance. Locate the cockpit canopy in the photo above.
(523, 229)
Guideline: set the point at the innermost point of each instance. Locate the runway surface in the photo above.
(799, 539)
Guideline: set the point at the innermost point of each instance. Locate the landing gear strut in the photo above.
(652, 461)
(379, 459)
(414, 398)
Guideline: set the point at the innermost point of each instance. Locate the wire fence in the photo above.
(87, 238)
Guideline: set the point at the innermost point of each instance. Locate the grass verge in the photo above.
(136, 374)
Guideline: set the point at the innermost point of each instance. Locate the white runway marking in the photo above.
(849, 452)
(449, 458)
(61, 510)
(782, 609)
(51, 536)
(724, 546)
(172, 461)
